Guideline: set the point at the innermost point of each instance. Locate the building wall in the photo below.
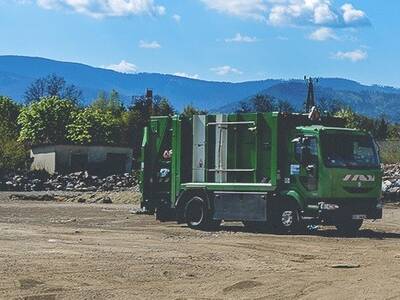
(61, 158)
(44, 158)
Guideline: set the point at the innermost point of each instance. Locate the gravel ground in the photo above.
(69, 250)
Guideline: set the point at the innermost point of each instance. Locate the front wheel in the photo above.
(349, 226)
(286, 219)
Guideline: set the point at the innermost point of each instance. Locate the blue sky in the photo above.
(224, 40)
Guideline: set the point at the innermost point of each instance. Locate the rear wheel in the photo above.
(349, 227)
(197, 215)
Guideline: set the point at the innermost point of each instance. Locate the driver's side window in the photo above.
(306, 147)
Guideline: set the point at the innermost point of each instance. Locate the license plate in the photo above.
(359, 217)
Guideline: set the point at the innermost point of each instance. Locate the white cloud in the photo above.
(254, 9)
(225, 70)
(177, 18)
(122, 67)
(302, 12)
(292, 12)
(354, 16)
(183, 74)
(149, 45)
(282, 38)
(315, 12)
(323, 34)
(238, 38)
(354, 56)
(105, 8)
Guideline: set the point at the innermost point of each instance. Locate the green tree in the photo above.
(93, 126)
(112, 103)
(350, 118)
(381, 128)
(190, 111)
(285, 106)
(331, 106)
(101, 102)
(262, 103)
(46, 121)
(9, 111)
(13, 154)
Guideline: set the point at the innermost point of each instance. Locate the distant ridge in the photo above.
(17, 72)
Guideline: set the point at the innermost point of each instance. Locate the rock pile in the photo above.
(79, 182)
(391, 182)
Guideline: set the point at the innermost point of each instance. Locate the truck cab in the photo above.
(335, 174)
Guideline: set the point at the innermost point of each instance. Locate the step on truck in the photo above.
(268, 170)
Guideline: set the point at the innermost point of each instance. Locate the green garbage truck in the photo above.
(268, 170)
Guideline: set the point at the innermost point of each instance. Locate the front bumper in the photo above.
(336, 210)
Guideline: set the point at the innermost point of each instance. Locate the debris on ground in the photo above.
(78, 182)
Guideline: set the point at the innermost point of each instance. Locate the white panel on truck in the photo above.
(221, 149)
(199, 150)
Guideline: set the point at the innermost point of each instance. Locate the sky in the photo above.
(220, 40)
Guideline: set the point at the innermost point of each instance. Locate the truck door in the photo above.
(305, 168)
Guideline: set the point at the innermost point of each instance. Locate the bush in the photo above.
(390, 152)
(13, 155)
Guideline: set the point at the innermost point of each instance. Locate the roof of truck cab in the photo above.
(319, 128)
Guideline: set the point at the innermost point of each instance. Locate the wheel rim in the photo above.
(195, 213)
(287, 218)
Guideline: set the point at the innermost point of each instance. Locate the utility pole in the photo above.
(310, 102)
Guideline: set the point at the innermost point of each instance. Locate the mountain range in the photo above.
(18, 72)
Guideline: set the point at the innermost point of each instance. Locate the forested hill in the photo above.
(372, 101)
(17, 72)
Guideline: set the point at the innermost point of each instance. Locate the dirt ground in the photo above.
(66, 250)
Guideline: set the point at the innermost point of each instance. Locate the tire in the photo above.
(286, 218)
(197, 215)
(349, 227)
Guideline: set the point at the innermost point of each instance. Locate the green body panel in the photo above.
(261, 157)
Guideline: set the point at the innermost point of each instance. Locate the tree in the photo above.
(244, 107)
(285, 106)
(162, 107)
(382, 128)
(52, 86)
(258, 103)
(101, 102)
(93, 126)
(138, 116)
(331, 106)
(112, 103)
(46, 121)
(189, 111)
(262, 103)
(13, 154)
(9, 111)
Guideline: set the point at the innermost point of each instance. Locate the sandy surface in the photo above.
(56, 250)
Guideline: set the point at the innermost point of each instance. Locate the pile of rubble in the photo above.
(391, 182)
(79, 182)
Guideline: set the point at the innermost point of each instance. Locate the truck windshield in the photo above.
(349, 151)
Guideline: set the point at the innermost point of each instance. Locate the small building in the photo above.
(74, 158)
